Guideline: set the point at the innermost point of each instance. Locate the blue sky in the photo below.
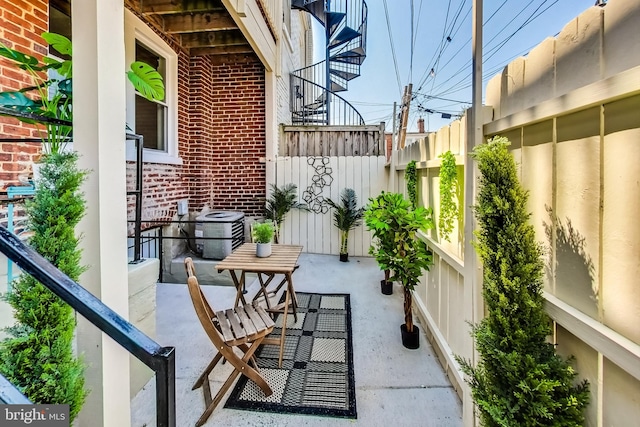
(375, 91)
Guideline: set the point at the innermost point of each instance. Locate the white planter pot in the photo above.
(263, 250)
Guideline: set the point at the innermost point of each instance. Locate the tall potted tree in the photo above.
(519, 380)
(377, 218)
(346, 216)
(38, 355)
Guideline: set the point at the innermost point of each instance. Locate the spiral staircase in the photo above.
(314, 98)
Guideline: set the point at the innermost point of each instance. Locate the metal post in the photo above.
(327, 31)
(472, 268)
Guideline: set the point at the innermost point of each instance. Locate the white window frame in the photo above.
(136, 30)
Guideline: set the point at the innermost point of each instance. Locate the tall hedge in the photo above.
(38, 355)
(519, 380)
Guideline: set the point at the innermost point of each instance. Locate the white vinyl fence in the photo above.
(319, 178)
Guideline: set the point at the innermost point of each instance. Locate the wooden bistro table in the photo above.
(283, 260)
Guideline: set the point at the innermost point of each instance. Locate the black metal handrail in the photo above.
(160, 359)
(137, 192)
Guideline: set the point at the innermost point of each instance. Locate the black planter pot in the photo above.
(410, 340)
(386, 287)
(344, 257)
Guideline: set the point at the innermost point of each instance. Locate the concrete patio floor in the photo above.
(394, 385)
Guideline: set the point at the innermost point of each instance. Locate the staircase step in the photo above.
(315, 8)
(343, 74)
(336, 87)
(333, 21)
(348, 58)
(345, 35)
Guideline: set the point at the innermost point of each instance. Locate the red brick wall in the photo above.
(221, 126)
(21, 23)
(239, 136)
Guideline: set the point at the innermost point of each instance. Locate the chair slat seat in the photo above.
(242, 328)
(238, 330)
(246, 321)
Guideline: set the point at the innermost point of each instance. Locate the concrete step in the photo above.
(205, 270)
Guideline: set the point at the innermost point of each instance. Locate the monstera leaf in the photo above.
(146, 80)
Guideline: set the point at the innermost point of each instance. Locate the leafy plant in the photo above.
(411, 176)
(346, 216)
(449, 210)
(53, 97)
(263, 232)
(399, 250)
(38, 355)
(281, 201)
(520, 380)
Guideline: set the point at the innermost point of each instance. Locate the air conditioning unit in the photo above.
(218, 233)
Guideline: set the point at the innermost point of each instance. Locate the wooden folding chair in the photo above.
(244, 327)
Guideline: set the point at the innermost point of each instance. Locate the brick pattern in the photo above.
(238, 179)
(21, 23)
(221, 125)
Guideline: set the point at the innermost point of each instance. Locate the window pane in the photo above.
(60, 22)
(151, 123)
(156, 61)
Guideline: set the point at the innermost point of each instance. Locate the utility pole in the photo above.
(406, 102)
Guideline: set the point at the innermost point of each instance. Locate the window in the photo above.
(156, 121)
(151, 116)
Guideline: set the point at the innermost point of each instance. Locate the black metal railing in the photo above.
(160, 359)
(137, 192)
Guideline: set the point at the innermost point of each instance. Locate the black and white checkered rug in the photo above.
(317, 367)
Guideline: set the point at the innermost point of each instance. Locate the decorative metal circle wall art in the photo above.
(321, 178)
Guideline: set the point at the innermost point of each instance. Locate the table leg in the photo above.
(239, 284)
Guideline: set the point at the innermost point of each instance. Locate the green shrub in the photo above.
(263, 231)
(38, 355)
(519, 380)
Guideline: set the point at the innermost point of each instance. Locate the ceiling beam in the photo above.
(221, 50)
(213, 39)
(162, 7)
(198, 22)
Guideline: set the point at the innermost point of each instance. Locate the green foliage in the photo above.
(449, 209)
(263, 231)
(411, 176)
(520, 380)
(38, 354)
(53, 98)
(281, 201)
(346, 216)
(394, 225)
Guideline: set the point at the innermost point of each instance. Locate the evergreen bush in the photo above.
(519, 380)
(38, 355)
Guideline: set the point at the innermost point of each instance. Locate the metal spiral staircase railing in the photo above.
(314, 100)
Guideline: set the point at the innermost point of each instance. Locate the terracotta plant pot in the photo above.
(410, 340)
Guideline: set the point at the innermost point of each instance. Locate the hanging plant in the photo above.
(411, 176)
(449, 209)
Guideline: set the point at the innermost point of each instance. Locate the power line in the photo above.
(393, 50)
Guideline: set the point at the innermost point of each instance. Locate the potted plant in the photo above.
(281, 201)
(376, 217)
(346, 217)
(263, 233)
(406, 256)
